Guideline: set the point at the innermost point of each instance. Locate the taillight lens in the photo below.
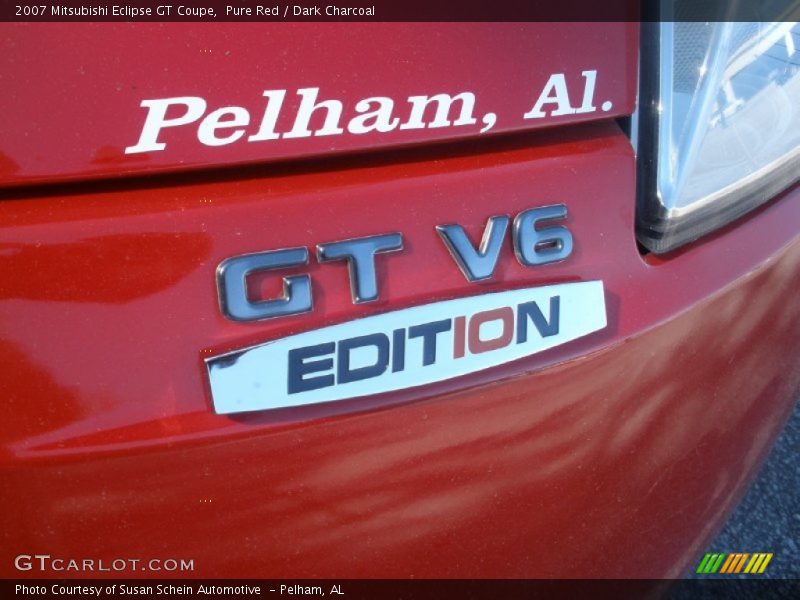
(719, 125)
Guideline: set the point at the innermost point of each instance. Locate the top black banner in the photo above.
(407, 10)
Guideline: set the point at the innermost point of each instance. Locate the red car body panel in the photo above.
(614, 455)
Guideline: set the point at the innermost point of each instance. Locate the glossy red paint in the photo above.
(72, 91)
(567, 463)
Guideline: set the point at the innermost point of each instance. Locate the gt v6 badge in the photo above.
(407, 347)
(532, 246)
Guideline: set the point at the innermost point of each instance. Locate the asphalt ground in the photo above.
(768, 517)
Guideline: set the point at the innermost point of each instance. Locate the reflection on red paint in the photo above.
(556, 464)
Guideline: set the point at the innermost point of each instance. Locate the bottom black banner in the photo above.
(358, 589)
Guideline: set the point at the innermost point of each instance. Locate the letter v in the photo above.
(476, 265)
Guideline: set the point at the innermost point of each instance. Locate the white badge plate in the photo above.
(404, 348)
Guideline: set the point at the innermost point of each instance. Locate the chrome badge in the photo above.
(407, 347)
